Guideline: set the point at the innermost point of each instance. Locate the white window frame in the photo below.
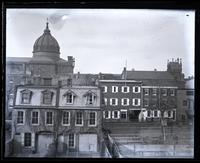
(105, 89)
(118, 114)
(146, 89)
(116, 101)
(68, 103)
(35, 124)
(46, 118)
(68, 118)
(122, 102)
(114, 89)
(172, 94)
(95, 119)
(128, 89)
(88, 99)
(23, 117)
(154, 93)
(105, 101)
(74, 144)
(104, 114)
(139, 89)
(138, 101)
(76, 119)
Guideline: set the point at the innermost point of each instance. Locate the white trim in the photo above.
(68, 119)
(128, 89)
(121, 81)
(116, 88)
(116, 101)
(133, 103)
(70, 103)
(46, 118)
(76, 119)
(122, 101)
(23, 117)
(104, 112)
(146, 94)
(95, 119)
(113, 114)
(105, 88)
(156, 92)
(105, 101)
(159, 87)
(38, 117)
(138, 89)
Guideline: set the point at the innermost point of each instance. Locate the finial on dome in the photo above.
(47, 27)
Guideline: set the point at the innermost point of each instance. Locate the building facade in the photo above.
(51, 120)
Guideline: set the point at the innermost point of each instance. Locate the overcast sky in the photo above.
(102, 40)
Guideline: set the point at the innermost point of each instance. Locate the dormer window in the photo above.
(26, 96)
(90, 98)
(69, 97)
(47, 97)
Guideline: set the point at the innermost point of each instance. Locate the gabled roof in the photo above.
(89, 92)
(69, 91)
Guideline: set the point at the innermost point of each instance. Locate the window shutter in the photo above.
(109, 114)
(113, 114)
(133, 101)
(127, 89)
(116, 101)
(159, 113)
(122, 101)
(133, 89)
(112, 89)
(138, 89)
(127, 101)
(105, 101)
(118, 114)
(22, 139)
(138, 101)
(104, 114)
(110, 101)
(165, 114)
(105, 88)
(33, 139)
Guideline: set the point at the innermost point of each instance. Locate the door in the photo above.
(88, 143)
(44, 141)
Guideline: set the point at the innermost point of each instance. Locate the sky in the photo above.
(106, 40)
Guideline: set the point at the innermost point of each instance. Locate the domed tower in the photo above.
(46, 62)
(46, 46)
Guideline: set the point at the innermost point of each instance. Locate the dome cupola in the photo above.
(46, 45)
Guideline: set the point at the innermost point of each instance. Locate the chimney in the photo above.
(155, 69)
(78, 74)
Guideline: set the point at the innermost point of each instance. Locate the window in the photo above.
(66, 118)
(27, 139)
(164, 92)
(104, 101)
(20, 117)
(184, 102)
(125, 89)
(69, 98)
(113, 101)
(190, 93)
(47, 97)
(35, 118)
(90, 99)
(106, 114)
(47, 81)
(26, 96)
(172, 92)
(154, 91)
(170, 114)
(154, 102)
(104, 89)
(114, 89)
(155, 113)
(79, 118)
(71, 141)
(136, 102)
(115, 114)
(125, 101)
(146, 102)
(149, 113)
(136, 89)
(146, 91)
(49, 118)
(69, 82)
(92, 119)
(123, 114)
